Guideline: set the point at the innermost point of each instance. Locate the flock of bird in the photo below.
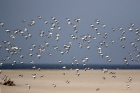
(54, 33)
(65, 48)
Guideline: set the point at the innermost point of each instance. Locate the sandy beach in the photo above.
(90, 81)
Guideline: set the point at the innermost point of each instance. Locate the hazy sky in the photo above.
(112, 13)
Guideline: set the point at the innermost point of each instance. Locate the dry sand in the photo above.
(87, 82)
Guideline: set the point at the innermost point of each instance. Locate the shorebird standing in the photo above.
(129, 79)
(127, 86)
(20, 75)
(54, 85)
(97, 89)
(78, 74)
(67, 81)
(34, 76)
(28, 86)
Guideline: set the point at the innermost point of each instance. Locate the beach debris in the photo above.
(0, 71)
(7, 81)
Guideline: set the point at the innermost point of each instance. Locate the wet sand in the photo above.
(87, 82)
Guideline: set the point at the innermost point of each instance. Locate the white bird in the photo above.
(61, 52)
(38, 55)
(123, 46)
(104, 26)
(55, 47)
(39, 69)
(64, 67)
(58, 27)
(99, 48)
(98, 33)
(21, 56)
(77, 19)
(132, 24)
(30, 49)
(34, 67)
(130, 29)
(12, 36)
(23, 21)
(77, 70)
(53, 18)
(78, 74)
(86, 58)
(39, 17)
(1, 64)
(50, 54)
(28, 86)
(30, 54)
(34, 76)
(32, 23)
(60, 61)
(0, 46)
(21, 62)
(14, 61)
(112, 41)
(129, 79)
(2, 24)
(25, 29)
(57, 38)
(88, 47)
(7, 30)
(92, 25)
(127, 86)
(94, 38)
(32, 62)
(68, 19)
(97, 21)
(80, 45)
(96, 28)
(113, 29)
(54, 85)
(0, 71)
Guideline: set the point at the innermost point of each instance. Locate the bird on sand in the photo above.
(54, 85)
(29, 86)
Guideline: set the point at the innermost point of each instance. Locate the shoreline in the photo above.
(89, 81)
